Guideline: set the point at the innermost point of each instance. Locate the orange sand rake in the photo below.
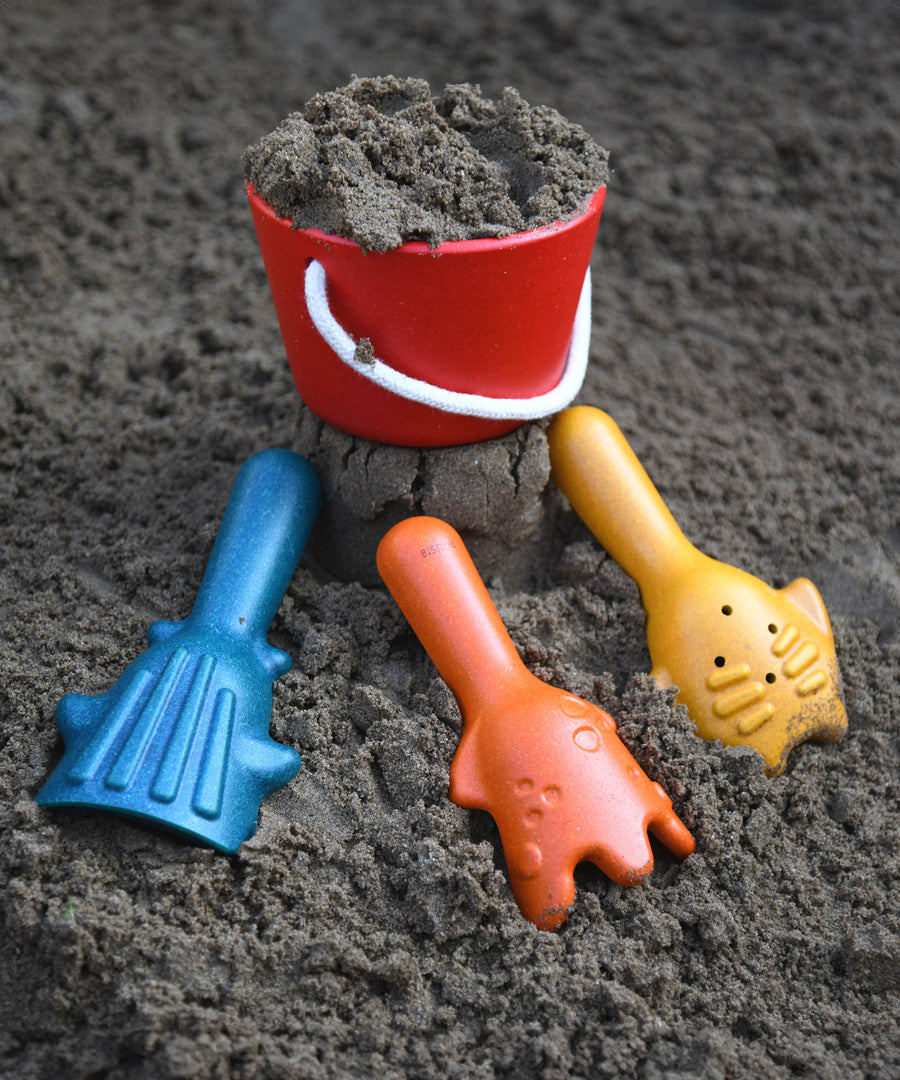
(547, 766)
(754, 665)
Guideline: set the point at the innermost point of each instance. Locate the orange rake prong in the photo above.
(755, 666)
(548, 766)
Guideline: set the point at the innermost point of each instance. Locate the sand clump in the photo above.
(383, 161)
(497, 494)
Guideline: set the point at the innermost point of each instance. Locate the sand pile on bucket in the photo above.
(383, 161)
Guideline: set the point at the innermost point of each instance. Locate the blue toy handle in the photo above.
(271, 512)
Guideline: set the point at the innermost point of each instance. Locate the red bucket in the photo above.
(462, 333)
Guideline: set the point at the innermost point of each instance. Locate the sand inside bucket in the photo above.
(383, 161)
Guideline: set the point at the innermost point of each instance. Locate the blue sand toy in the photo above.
(182, 739)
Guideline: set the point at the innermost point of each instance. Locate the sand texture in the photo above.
(745, 328)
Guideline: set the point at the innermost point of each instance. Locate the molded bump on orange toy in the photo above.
(755, 666)
(547, 766)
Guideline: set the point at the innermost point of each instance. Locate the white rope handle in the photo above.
(453, 401)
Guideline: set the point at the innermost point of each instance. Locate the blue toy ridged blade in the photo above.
(182, 739)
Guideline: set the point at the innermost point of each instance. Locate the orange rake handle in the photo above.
(427, 568)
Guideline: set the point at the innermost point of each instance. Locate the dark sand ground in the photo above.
(746, 305)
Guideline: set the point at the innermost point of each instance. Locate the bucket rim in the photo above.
(448, 247)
